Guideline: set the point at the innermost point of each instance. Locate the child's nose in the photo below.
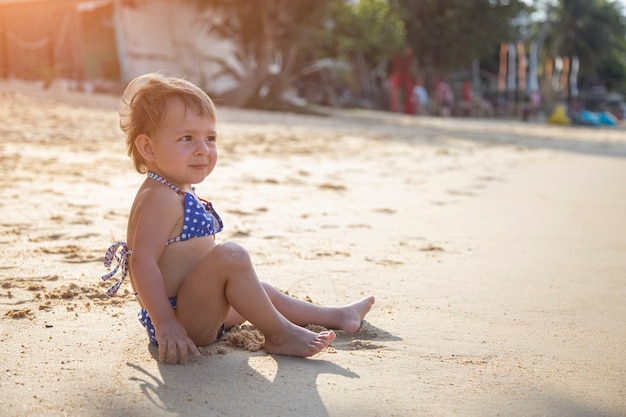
(202, 147)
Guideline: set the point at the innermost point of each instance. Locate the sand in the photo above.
(496, 251)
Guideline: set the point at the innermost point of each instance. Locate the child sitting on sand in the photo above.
(190, 287)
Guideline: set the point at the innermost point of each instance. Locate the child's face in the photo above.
(184, 145)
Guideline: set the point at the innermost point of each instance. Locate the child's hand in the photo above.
(174, 345)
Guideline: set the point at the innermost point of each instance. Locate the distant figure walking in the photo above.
(420, 98)
(444, 98)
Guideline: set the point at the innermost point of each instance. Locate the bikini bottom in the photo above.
(146, 321)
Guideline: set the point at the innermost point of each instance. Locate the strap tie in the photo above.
(122, 262)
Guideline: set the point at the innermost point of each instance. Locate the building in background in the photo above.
(103, 44)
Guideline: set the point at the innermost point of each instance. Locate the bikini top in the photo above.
(200, 220)
(200, 217)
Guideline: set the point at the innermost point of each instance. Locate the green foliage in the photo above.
(447, 35)
(266, 32)
(259, 24)
(372, 27)
(593, 30)
(298, 33)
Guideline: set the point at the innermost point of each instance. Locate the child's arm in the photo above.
(154, 220)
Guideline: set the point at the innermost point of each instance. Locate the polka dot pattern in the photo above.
(146, 321)
(200, 220)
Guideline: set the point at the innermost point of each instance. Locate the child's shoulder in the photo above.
(154, 197)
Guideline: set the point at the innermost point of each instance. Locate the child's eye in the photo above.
(185, 138)
(211, 138)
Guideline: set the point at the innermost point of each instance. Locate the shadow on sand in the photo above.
(231, 385)
(241, 383)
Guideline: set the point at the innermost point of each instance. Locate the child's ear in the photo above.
(144, 146)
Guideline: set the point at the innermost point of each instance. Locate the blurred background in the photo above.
(478, 58)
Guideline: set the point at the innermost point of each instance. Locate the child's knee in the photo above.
(234, 254)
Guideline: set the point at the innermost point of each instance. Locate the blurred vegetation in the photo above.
(595, 31)
(347, 45)
(447, 35)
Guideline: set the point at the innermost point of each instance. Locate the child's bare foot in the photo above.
(299, 342)
(353, 314)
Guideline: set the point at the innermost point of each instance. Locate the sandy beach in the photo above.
(496, 251)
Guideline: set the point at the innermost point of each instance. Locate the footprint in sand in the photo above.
(461, 193)
(384, 210)
(321, 254)
(359, 226)
(47, 238)
(73, 254)
(384, 262)
(489, 178)
(332, 186)
(431, 248)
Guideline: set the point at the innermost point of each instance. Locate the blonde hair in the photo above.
(144, 104)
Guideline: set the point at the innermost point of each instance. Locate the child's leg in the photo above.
(226, 277)
(347, 317)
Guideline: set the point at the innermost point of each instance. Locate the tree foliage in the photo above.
(363, 35)
(268, 35)
(372, 27)
(277, 39)
(595, 32)
(447, 35)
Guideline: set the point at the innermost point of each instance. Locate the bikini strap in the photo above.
(163, 181)
(122, 262)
